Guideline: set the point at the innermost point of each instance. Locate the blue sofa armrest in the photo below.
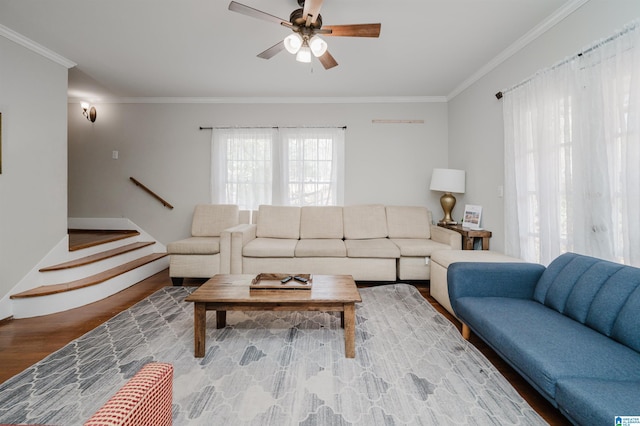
(484, 279)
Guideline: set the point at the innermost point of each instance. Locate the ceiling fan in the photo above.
(306, 24)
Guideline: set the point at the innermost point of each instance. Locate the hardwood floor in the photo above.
(24, 342)
(543, 407)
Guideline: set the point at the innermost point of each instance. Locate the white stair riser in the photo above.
(45, 305)
(72, 274)
(67, 256)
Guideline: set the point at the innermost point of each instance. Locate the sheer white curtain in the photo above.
(313, 166)
(242, 166)
(572, 156)
(289, 166)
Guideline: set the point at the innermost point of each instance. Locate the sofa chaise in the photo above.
(369, 242)
(572, 329)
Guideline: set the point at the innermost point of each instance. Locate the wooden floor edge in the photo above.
(47, 290)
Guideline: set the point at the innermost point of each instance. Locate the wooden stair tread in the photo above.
(84, 238)
(89, 281)
(98, 256)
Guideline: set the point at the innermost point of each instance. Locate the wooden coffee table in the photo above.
(222, 293)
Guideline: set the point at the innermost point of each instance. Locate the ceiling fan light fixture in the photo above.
(318, 46)
(293, 43)
(304, 54)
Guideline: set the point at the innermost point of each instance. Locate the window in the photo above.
(572, 150)
(290, 166)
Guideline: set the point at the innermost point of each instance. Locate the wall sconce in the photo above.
(89, 112)
(447, 181)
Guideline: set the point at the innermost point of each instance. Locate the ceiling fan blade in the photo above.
(353, 30)
(255, 13)
(272, 51)
(327, 60)
(311, 7)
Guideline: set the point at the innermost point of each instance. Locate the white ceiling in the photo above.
(200, 49)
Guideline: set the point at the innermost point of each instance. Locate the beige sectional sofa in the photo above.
(369, 242)
(207, 251)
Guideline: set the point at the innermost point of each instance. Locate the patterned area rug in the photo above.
(278, 368)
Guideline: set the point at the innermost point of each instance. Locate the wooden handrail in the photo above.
(153, 194)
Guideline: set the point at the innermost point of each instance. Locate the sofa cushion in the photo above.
(560, 289)
(321, 222)
(597, 402)
(321, 248)
(418, 247)
(627, 327)
(278, 222)
(611, 298)
(447, 257)
(554, 269)
(365, 222)
(195, 245)
(560, 277)
(544, 345)
(408, 222)
(376, 248)
(595, 292)
(587, 287)
(270, 247)
(209, 220)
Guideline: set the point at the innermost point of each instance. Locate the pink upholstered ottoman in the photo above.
(144, 400)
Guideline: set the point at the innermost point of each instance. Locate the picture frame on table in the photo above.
(472, 216)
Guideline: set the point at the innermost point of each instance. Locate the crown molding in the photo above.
(35, 47)
(268, 100)
(555, 18)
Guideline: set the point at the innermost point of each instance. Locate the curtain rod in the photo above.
(597, 45)
(271, 127)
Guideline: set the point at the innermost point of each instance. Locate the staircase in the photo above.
(98, 263)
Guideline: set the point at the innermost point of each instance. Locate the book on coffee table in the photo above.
(282, 282)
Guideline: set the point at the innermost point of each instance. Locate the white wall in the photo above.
(476, 139)
(161, 146)
(33, 183)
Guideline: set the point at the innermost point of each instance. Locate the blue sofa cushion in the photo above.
(544, 345)
(587, 288)
(611, 298)
(591, 291)
(596, 402)
(553, 271)
(627, 327)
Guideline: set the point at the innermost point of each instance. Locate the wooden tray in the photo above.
(273, 282)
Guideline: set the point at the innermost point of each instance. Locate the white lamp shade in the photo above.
(318, 46)
(293, 42)
(448, 180)
(304, 54)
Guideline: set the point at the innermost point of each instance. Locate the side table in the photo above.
(469, 235)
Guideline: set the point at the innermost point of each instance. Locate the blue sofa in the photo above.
(572, 329)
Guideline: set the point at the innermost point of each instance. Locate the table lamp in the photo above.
(447, 181)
